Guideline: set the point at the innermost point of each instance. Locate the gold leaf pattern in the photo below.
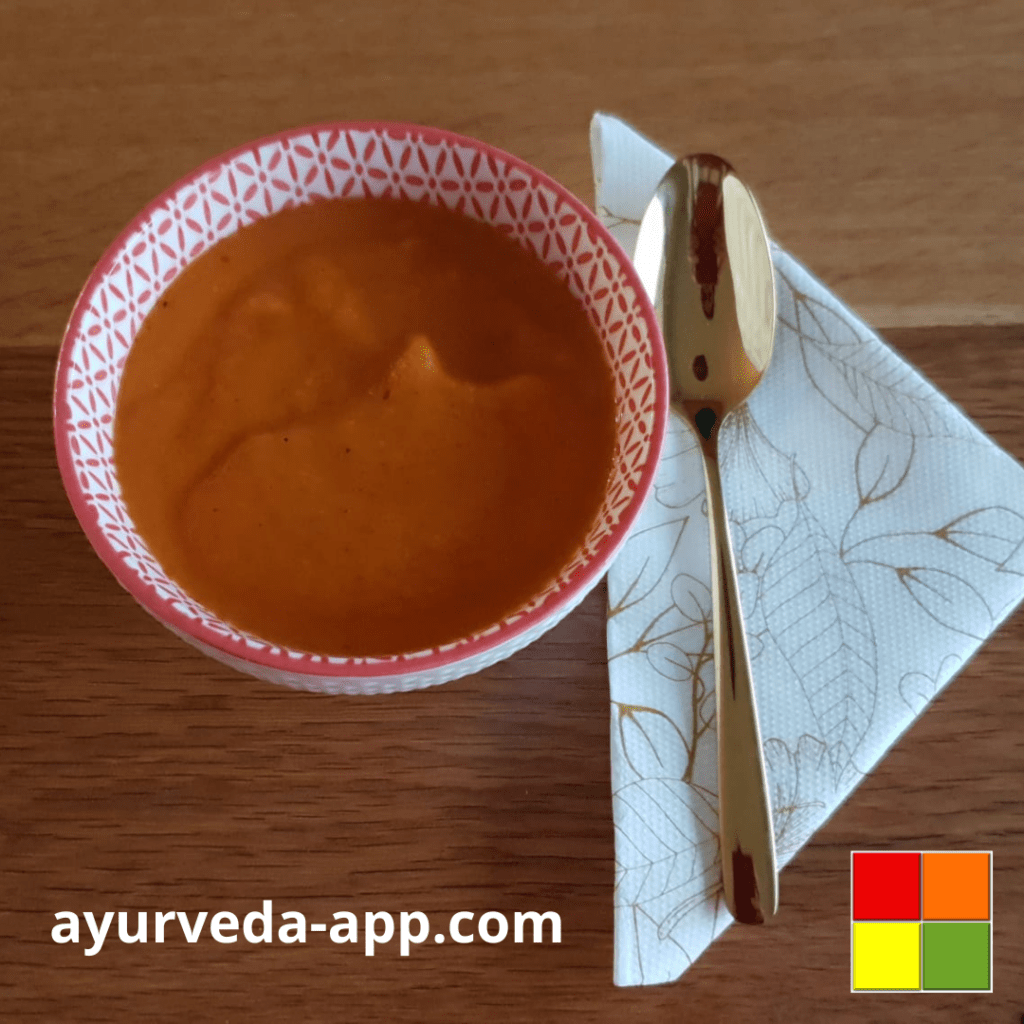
(879, 537)
(859, 376)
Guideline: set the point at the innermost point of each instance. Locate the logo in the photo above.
(921, 922)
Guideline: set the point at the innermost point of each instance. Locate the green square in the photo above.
(957, 955)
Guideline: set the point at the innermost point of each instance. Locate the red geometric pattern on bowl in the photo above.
(338, 160)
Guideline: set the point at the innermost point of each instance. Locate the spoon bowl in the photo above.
(702, 254)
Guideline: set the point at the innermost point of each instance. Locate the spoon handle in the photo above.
(745, 828)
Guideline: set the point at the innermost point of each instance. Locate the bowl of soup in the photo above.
(360, 407)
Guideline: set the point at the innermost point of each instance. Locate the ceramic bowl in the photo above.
(297, 167)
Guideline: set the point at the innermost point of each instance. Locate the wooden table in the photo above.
(883, 139)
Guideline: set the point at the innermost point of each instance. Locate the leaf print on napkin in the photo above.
(917, 688)
(672, 508)
(758, 476)
(667, 851)
(797, 780)
(680, 479)
(647, 737)
(995, 534)
(864, 381)
(816, 615)
(649, 572)
(882, 464)
(957, 572)
(679, 647)
(806, 597)
(862, 447)
(673, 850)
(692, 598)
(934, 577)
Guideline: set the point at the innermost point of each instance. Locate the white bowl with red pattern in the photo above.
(296, 167)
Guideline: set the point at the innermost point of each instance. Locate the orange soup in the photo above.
(365, 427)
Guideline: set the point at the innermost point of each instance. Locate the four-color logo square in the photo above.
(887, 887)
(957, 955)
(956, 887)
(921, 922)
(886, 955)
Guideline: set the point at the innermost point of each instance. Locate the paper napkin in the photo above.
(878, 535)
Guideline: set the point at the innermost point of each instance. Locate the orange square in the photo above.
(956, 886)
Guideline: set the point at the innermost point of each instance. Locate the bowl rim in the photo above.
(276, 656)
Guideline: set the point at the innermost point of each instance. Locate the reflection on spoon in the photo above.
(702, 254)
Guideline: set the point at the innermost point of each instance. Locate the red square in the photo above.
(887, 886)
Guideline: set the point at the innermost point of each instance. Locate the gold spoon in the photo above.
(703, 256)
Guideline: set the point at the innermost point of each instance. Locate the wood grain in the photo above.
(882, 139)
(138, 775)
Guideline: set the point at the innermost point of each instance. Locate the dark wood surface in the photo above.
(139, 775)
(135, 774)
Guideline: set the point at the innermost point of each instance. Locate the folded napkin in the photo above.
(878, 535)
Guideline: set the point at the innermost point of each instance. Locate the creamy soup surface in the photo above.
(365, 427)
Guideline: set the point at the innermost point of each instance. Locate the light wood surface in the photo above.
(883, 142)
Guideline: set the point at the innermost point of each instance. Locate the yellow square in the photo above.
(886, 955)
